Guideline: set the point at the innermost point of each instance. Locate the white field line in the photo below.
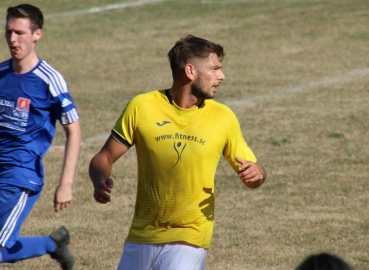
(85, 143)
(147, 2)
(103, 8)
(246, 101)
(257, 1)
(301, 88)
(92, 140)
(98, 9)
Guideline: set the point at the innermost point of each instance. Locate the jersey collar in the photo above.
(171, 100)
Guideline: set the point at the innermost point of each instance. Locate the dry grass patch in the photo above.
(296, 76)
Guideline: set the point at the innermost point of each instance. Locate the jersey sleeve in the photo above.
(236, 145)
(125, 126)
(65, 109)
(62, 102)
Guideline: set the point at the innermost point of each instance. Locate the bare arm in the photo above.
(250, 173)
(101, 166)
(63, 193)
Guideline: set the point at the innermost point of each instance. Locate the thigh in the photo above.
(16, 204)
(136, 257)
(162, 257)
(181, 257)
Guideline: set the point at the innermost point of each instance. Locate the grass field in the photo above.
(297, 76)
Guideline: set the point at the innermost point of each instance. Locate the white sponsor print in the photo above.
(6, 103)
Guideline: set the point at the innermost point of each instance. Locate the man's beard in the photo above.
(197, 89)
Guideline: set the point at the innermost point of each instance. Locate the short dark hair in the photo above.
(323, 261)
(191, 47)
(27, 11)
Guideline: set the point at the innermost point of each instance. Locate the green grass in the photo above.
(296, 77)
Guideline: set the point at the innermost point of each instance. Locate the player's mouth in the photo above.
(14, 49)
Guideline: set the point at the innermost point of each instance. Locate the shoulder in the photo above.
(5, 65)
(47, 72)
(149, 97)
(218, 108)
(52, 77)
(221, 113)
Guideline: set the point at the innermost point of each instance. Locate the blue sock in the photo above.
(28, 247)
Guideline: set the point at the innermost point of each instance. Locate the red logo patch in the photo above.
(23, 104)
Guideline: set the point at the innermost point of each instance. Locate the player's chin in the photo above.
(210, 95)
(213, 93)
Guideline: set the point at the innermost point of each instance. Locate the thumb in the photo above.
(240, 160)
(109, 182)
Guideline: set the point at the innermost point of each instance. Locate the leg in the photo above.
(136, 256)
(26, 248)
(181, 257)
(162, 257)
(16, 204)
(62, 253)
(19, 204)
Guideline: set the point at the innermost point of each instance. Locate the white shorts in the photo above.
(162, 257)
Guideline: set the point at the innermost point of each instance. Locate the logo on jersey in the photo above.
(23, 104)
(66, 102)
(180, 142)
(179, 147)
(163, 123)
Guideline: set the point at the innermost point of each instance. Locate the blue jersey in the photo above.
(30, 104)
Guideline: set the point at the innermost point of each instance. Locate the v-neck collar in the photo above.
(171, 100)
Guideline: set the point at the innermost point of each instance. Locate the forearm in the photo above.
(71, 153)
(101, 164)
(100, 168)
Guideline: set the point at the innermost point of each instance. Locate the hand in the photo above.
(249, 172)
(102, 188)
(62, 197)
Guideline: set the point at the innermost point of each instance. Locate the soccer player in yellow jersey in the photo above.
(180, 134)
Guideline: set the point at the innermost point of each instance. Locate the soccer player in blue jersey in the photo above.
(33, 96)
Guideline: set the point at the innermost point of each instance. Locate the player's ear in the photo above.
(37, 35)
(190, 71)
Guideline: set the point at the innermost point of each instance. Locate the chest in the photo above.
(201, 132)
(27, 87)
(21, 100)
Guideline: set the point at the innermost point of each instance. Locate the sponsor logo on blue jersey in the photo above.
(23, 104)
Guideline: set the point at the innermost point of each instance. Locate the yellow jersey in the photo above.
(178, 151)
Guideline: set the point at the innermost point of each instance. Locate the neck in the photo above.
(25, 65)
(183, 98)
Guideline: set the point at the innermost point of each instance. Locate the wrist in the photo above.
(262, 172)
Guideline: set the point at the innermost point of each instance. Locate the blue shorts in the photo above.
(16, 204)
